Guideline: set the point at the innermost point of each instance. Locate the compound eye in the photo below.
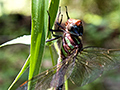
(78, 30)
(72, 28)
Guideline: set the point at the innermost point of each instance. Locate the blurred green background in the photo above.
(101, 20)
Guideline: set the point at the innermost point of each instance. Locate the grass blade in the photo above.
(25, 66)
(38, 35)
(19, 40)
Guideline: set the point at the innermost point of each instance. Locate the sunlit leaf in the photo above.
(26, 39)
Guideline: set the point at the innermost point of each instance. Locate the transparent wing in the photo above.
(41, 78)
(91, 62)
(53, 77)
(82, 67)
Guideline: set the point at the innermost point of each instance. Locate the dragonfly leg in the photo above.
(59, 23)
(49, 22)
(53, 39)
(61, 19)
(59, 14)
(58, 30)
(67, 13)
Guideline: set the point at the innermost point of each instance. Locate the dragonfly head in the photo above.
(74, 26)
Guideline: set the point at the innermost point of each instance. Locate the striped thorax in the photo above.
(72, 37)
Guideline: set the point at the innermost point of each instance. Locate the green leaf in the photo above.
(25, 66)
(38, 35)
(19, 40)
(53, 11)
(39, 30)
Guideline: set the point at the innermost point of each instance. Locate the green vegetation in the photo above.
(101, 28)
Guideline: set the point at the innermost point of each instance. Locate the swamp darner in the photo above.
(81, 65)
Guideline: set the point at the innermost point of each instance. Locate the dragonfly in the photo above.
(82, 65)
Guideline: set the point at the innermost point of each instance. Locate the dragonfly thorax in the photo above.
(69, 43)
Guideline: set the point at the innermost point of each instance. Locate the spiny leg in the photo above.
(67, 13)
(56, 36)
(59, 14)
(49, 23)
(59, 26)
(53, 39)
(61, 19)
(60, 22)
(57, 22)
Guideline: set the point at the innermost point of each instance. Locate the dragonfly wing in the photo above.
(64, 71)
(41, 81)
(53, 77)
(91, 62)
